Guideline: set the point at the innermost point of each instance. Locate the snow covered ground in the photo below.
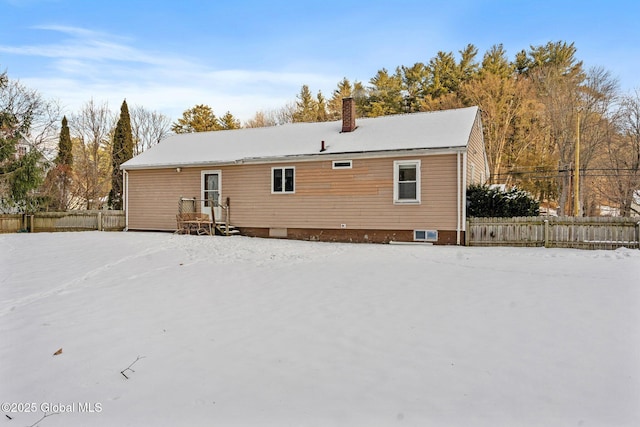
(253, 332)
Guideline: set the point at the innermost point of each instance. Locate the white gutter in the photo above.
(125, 178)
(305, 158)
(463, 196)
(458, 198)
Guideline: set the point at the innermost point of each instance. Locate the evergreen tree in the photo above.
(495, 61)
(485, 201)
(414, 82)
(306, 107)
(467, 67)
(228, 122)
(59, 178)
(361, 96)
(385, 94)
(197, 119)
(446, 75)
(122, 151)
(65, 154)
(443, 72)
(321, 108)
(344, 90)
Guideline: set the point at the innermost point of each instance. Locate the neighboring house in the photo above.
(391, 178)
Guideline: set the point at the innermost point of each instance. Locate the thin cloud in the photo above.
(87, 45)
(91, 64)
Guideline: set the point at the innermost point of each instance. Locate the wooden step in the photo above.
(222, 228)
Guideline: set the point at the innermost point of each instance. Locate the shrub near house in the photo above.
(486, 201)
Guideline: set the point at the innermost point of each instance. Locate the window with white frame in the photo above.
(283, 180)
(406, 181)
(342, 164)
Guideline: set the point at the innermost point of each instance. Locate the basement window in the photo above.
(425, 235)
(282, 180)
(342, 164)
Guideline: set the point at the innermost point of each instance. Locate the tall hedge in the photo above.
(485, 201)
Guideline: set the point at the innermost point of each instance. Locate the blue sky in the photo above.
(245, 56)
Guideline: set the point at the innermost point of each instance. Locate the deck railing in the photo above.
(195, 205)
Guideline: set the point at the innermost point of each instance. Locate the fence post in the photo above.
(546, 233)
(99, 220)
(467, 233)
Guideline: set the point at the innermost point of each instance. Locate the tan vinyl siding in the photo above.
(324, 198)
(154, 195)
(476, 155)
(361, 197)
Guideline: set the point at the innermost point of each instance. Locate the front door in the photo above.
(211, 190)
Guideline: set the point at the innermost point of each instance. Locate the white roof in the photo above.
(448, 129)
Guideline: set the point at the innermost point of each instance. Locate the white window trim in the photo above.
(333, 165)
(429, 235)
(396, 178)
(283, 185)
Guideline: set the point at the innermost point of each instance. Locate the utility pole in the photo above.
(576, 173)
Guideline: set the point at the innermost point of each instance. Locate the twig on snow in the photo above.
(128, 368)
(43, 417)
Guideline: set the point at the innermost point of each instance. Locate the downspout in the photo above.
(125, 176)
(463, 196)
(458, 199)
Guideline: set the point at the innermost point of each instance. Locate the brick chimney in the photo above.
(348, 115)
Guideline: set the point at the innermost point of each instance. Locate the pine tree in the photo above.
(321, 108)
(385, 94)
(495, 62)
(228, 122)
(344, 90)
(197, 119)
(122, 151)
(306, 107)
(414, 82)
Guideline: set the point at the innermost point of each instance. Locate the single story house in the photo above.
(391, 178)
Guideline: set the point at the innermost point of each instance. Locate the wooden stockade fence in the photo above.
(555, 232)
(63, 221)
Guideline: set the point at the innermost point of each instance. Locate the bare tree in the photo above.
(284, 114)
(598, 95)
(36, 117)
(148, 128)
(261, 119)
(621, 169)
(91, 132)
(557, 77)
(27, 140)
(275, 117)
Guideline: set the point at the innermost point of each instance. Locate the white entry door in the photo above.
(211, 190)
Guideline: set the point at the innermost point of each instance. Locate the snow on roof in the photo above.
(429, 130)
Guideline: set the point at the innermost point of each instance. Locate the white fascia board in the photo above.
(307, 158)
